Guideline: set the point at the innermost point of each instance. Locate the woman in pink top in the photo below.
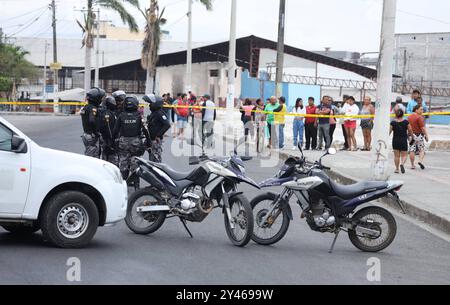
(248, 116)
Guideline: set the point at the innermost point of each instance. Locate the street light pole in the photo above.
(280, 51)
(189, 50)
(384, 92)
(232, 65)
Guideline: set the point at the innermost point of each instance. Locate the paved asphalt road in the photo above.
(117, 256)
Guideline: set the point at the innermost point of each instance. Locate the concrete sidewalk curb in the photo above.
(437, 222)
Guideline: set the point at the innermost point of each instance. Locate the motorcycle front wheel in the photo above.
(273, 230)
(144, 223)
(375, 229)
(242, 219)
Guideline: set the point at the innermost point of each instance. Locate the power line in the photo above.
(415, 15)
(25, 14)
(425, 17)
(27, 26)
(175, 22)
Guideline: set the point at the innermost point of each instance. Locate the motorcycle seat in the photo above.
(354, 190)
(175, 175)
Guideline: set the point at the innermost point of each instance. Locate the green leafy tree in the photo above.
(14, 67)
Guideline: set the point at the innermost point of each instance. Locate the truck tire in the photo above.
(21, 229)
(69, 220)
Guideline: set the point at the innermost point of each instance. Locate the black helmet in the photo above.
(110, 103)
(119, 95)
(95, 96)
(131, 104)
(157, 104)
(151, 98)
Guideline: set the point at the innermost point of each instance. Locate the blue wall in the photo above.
(250, 88)
(440, 120)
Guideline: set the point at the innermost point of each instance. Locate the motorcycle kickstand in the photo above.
(183, 221)
(334, 241)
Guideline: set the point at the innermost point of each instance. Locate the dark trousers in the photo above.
(273, 133)
(311, 136)
(332, 129)
(345, 137)
(208, 133)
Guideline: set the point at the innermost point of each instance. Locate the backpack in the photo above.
(183, 111)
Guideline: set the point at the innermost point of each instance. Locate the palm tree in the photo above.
(207, 4)
(88, 28)
(13, 68)
(151, 43)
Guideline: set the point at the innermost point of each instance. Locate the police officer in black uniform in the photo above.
(119, 96)
(130, 129)
(90, 121)
(107, 123)
(158, 123)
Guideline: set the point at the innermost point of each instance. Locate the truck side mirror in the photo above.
(18, 145)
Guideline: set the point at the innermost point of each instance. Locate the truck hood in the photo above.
(61, 158)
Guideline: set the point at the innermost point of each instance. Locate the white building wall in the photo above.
(173, 79)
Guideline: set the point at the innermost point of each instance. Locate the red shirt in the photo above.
(310, 110)
(417, 123)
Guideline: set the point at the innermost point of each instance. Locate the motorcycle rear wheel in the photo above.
(275, 236)
(151, 221)
(243, 221)
(380, 220)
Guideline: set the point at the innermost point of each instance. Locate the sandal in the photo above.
(396, 171)
(421, 166)
(402, 168)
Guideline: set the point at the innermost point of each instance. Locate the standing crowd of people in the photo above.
(314, 125)
(116, 131)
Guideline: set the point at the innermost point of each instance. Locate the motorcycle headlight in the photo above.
(113, 172)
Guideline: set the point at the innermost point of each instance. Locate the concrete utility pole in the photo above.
(55, 57)
(232, 65)
(97, 51)
(384, 92)
(44, 89)
(189, 50)
(280, 52)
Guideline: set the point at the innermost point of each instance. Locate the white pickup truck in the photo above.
(67, 196)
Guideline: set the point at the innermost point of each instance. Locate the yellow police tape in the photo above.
(368, 116)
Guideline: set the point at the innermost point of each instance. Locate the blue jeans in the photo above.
(298, 132)
(281, 135)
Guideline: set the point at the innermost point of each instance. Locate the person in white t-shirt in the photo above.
(299, 122)
(209, 116)
(351, 109)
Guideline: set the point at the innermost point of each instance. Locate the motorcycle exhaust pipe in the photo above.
(153, 208)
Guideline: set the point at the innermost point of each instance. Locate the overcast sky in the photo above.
(352, 25)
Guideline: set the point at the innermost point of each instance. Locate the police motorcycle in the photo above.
(327, 206)
(192, 196)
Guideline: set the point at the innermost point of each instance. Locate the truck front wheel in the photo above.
(69, 220)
